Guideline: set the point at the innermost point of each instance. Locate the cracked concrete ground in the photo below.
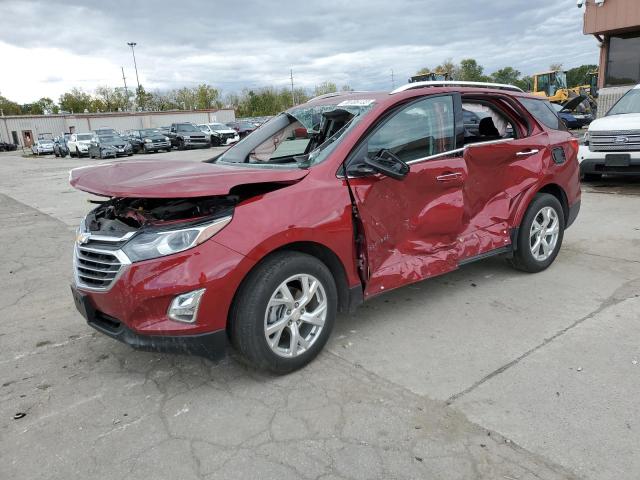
(484, 373)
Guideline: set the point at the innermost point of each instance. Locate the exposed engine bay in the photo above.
(119, 216)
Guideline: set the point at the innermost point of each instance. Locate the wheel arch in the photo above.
(348, 297)
(550, 188)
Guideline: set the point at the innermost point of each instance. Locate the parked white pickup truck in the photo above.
(612, 143)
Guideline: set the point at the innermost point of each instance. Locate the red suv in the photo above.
(326, 205)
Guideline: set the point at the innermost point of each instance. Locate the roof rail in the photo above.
(454, 83)
(336, 94)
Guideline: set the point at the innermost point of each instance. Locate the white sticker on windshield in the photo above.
(357, 103)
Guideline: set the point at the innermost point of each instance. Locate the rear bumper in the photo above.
(212, 345)
(595, 162)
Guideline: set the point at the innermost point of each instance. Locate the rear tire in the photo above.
(540, 235)
(305, 321)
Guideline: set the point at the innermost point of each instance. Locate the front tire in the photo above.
(540, 235)
(284, 312)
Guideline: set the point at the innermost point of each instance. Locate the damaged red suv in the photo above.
(327, 205)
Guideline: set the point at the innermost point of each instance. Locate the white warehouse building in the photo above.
(23, 130)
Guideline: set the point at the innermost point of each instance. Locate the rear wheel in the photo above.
(540, 235)
(284, 312)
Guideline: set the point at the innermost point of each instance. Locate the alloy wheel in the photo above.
(544, 233)
(295, 315)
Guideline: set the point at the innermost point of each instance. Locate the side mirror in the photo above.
(388, 164)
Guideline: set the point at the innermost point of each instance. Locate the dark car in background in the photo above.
(109, 146)
(106, 131)
(243, 128)
(8, 147)
(148, 140)
(188, 135)
(60, 147)
(573, 119)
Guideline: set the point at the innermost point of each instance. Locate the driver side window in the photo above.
(419, 130)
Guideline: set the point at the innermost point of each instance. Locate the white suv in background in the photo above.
(78, 144)
(612, 143)
(220, 133)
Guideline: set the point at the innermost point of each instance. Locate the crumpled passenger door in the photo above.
(410, 227)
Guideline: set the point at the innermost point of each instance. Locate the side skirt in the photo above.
(482, 256)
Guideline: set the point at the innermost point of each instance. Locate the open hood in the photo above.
(174, 179)
(570, 105)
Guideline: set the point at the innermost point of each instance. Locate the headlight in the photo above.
(167, 139)
(586, 138)
(147, 140)
(158, 244)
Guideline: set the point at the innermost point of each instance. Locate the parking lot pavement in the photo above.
(483, 373)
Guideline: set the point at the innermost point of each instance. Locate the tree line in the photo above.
(249, 102)
(470, 70)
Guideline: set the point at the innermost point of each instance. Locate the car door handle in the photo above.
(527, 153)
(449, 177)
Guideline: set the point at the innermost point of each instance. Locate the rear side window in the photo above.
(543, 112)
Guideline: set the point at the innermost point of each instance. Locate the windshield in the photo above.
(186, 127)
(303, 136)
(219, 126)
(630, 103)
(151, 131)
(109, 138)
(86, 136)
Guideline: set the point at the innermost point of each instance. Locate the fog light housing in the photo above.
(184, 308)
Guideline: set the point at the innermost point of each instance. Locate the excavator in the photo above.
(435, 76)
(553, 86)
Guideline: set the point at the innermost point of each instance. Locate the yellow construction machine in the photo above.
(553, 86)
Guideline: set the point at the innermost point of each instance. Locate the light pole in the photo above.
(133, 44)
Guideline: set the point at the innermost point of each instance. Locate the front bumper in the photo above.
(211, 345)
(141, 293)
(149, 147)
(190, 143)
(596, 162)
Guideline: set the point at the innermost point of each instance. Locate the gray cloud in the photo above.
(254, 43)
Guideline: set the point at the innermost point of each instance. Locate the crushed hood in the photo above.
(174, 179)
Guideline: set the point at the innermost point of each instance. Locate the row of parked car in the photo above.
(109, 143)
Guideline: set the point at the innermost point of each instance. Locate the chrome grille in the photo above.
(98, 263)
(615, 141)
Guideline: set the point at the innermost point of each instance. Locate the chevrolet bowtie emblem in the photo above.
(83, 238)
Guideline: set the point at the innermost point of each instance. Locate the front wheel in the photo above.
(540, 235)
(284, 312)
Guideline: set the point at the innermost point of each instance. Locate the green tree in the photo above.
(556, 67)
(508, 75)
(142, 97)
(580, 75)
(471, 71)
(113, 99)
(8, 107)
(75, 101)
(40, 107)
(325, 87)
(206, 97)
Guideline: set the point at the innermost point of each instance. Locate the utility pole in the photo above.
(126, 91)
(133, 44)
(293, 95)
(393, 81)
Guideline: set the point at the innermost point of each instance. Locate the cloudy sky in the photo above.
(49, 47)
